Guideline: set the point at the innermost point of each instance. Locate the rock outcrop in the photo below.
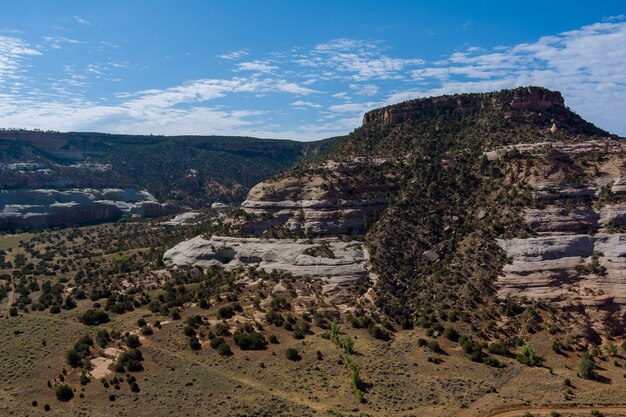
(577, 257)
(336, 262)
(530, 99)
(181, 219)
(36, 209)
(584, 270)
(333, 198)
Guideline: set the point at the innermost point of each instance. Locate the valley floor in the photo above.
(402, 382)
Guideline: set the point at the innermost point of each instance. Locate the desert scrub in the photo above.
(292, 354)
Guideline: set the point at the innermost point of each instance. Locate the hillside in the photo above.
(186, 171)
(191, 170)
(454, 256)
(438, 187)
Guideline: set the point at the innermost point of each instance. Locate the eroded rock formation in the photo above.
(331, 198)
(41, 208)
(336, 262)
(577, 257)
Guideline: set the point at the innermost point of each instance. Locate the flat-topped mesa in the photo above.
(535, 99)
(525, 104)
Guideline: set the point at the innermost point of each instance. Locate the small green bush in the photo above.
(194, 343)
(292, 354)
(587, 368)
(64, 392)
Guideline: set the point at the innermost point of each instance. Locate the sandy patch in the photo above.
(100, 367)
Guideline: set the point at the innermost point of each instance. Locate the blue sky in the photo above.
(294, 69)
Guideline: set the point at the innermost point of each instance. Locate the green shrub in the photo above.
(129, 361)
(64, 392)
(222, 329)
(94, 318)
(497, 348)
(272, 317)
(292, 354)
(433, 345)
(527, 355)
(132, 341)
(587, 368)
(73, 358)
(133, 365)
(250, 341)
(224, 350)
(451, 334)
(216, 342)
(225, 312)
(194, 343)
(378, 333)
(102, 338)
(84, 379)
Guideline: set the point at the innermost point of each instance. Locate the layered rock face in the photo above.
(532, 99)
(335, 262)
(331, 198)
(41, 208)
(578, 254)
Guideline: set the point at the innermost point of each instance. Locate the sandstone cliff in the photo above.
(324, 199)
(465, 203)
(576, 257)
(41, 208)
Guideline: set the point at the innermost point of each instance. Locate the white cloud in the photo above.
(365, 89)
(233, 55)
(342, 95)
(256, 66)
(588, 65)
(56, 42)
(352, 107)
(293, 88)
(357, 60)
(82, 21)
(302, 104)
(12, 52)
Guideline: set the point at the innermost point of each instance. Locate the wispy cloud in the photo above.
(234, 55)
(365, 89)
(587, 65)
(335, 82)
(256, 66)
(303, 104)
(357, 60)
(12, 52)
(56, 42)
(82, 21)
